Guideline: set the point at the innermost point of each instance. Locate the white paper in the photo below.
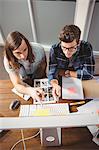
(24, 96)
(72, 88)
(96, 138)
(93, 129)
(91, 107)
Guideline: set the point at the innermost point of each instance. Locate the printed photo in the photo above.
(43, 83)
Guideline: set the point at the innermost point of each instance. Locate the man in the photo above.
(70, 57)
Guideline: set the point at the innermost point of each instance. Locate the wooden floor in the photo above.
(72, 138)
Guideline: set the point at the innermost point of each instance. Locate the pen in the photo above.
(56, 98)
(77, 103)
(38, 100)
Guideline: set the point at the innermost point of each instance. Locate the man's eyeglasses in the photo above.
(70, 49)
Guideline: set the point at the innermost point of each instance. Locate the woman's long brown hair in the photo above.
(13, 41)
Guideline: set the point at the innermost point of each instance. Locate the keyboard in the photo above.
(45, 110)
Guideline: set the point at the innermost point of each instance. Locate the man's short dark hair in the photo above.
(69, 33)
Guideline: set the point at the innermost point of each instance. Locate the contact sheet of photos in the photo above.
(47, 88)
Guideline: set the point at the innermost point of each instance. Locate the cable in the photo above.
(90, 74)
(28, 138)
(83, 69)
(24, 145)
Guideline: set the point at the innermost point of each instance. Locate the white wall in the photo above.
(50, 17)
(15, 16)
(94, 28)
(1, 38)
(0, 11)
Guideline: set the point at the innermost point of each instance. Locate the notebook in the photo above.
(72, 88)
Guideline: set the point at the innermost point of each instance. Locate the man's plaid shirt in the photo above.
(82, 61)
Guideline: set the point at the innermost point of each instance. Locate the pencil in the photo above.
(77, 103)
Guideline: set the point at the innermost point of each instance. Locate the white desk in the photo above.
(73, 120)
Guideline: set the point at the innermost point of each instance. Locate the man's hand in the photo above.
(67, 73)
(56, 91)
(62, 72)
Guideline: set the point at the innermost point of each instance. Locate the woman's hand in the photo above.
(37, 94)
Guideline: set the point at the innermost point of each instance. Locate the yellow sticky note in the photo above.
(41, 112)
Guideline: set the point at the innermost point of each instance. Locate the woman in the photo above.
(24, 63)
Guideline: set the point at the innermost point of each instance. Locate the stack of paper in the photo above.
(92, 106)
